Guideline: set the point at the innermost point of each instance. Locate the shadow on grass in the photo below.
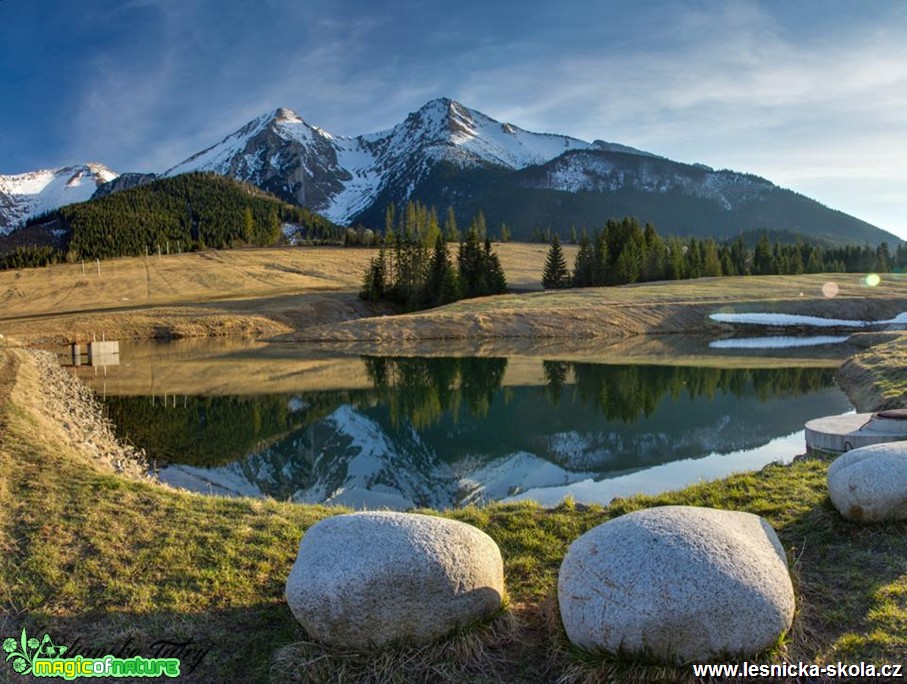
(223, 645)
(851, 582)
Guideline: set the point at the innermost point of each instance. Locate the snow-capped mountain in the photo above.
(27, 194)
(281, 153)
(341, 177)
(446, 154)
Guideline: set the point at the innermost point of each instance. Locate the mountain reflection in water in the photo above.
(443, 432)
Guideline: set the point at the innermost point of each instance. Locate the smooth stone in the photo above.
(869, 484)
(678, 584)
(369, 579)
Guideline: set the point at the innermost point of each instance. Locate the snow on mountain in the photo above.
(595, 172)
(281, 153)
(341, 176)
(447, 154)
(446, 130)
(27, 194)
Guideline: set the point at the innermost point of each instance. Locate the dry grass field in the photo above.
(231, 292)
(613, 312)
(311, 294)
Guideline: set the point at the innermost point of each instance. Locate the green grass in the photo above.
(96, 559)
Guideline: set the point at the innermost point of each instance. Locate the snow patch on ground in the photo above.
(777, 342)
(780, 320)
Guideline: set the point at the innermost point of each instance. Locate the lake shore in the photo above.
(100, 557)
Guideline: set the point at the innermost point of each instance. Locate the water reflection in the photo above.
(443, 432)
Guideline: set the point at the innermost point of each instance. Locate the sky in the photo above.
(811, 95)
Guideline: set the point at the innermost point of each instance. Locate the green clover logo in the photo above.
(24, 651)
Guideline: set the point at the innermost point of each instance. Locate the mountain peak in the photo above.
(24, 195)
(284, 115)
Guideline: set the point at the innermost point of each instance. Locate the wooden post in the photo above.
(98, 261)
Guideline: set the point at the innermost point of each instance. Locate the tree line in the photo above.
(624, 252)
(414, 269)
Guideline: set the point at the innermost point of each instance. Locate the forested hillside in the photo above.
(187, 212)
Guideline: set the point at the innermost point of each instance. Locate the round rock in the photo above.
(369, 579)
(869, 484)
(677, 583)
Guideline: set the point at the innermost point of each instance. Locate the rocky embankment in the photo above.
(72, 407)
(876, 377)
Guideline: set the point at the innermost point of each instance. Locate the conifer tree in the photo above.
(600, 259)
(555, 275)
(248, 226)
(711, 263)
(450, 226)
(584, 264)
(497, 282)
(440, 282)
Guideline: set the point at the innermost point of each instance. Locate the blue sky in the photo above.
(811, 95)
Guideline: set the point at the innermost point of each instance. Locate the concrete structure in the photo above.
(837, 434)
(104, 353)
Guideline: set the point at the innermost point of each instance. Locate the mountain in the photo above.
(28, 194)
(446, 154)
(344, 177)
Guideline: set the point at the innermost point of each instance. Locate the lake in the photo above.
(379, 431)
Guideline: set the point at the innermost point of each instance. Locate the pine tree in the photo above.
(374, 286)
(497, 282)
(480, 225)
(601, 259)
(555, 274)
(628, 264)
(440, 281)
(676, 261)
(764, 262)
(470, 267)
(390, 219)
(711, 263)
(656, 255)
(584, 263)
(248, 226)
(450, 226)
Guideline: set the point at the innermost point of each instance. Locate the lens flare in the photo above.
(830, 289)
(872, 280)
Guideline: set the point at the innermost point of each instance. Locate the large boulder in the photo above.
(869, 484)
(369, 579)
(678, 584)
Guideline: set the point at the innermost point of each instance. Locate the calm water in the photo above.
(377, 431)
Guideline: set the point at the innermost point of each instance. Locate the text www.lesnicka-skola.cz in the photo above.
(783, 670)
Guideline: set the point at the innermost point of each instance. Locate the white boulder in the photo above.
(869, 484)
(369, 579)
(677, 583)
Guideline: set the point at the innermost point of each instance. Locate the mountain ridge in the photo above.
(447, 154)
